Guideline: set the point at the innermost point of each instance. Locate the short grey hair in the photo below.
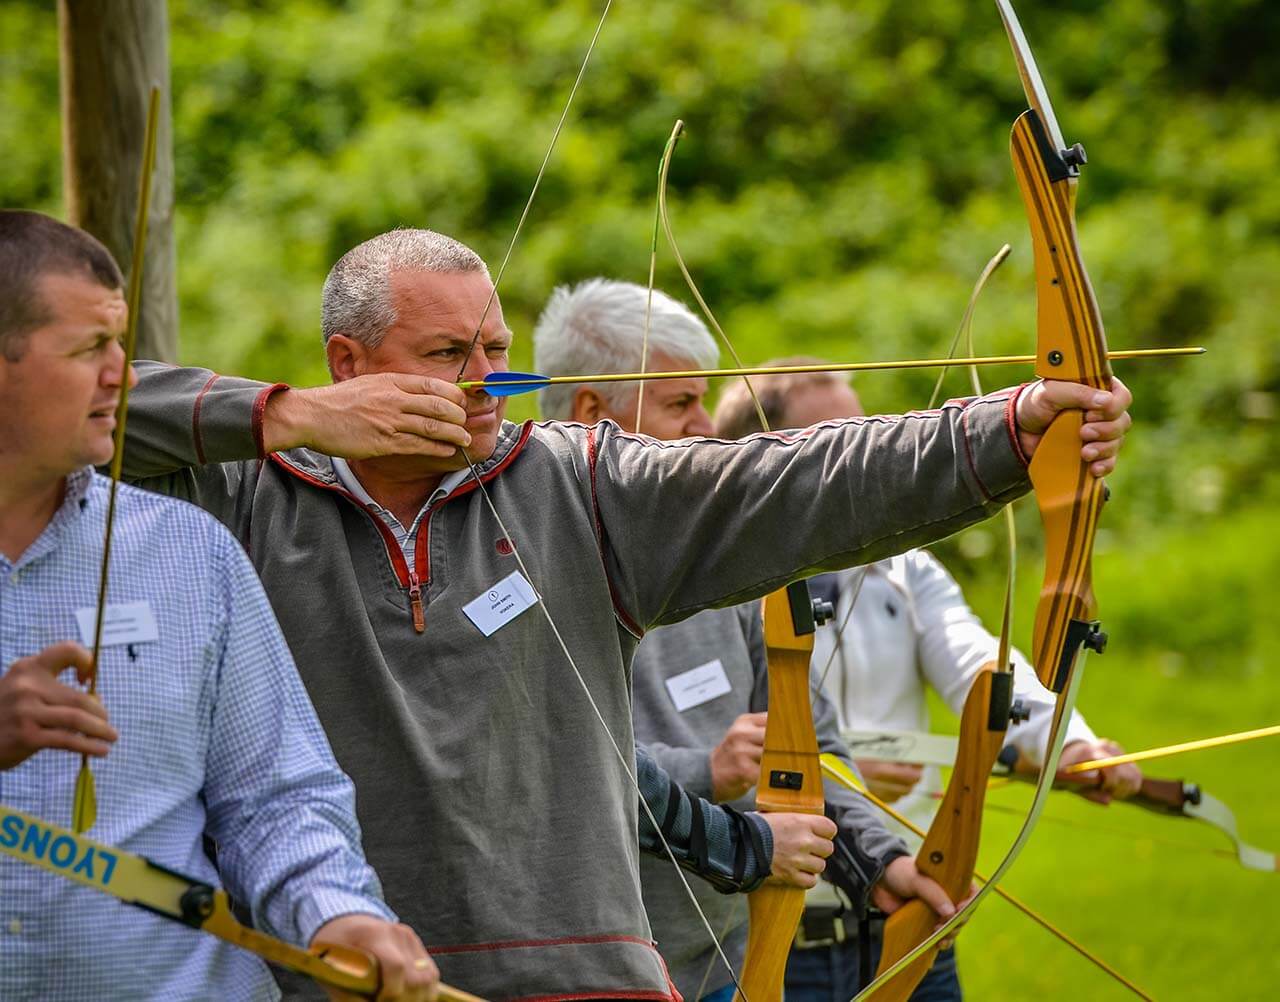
(597, 326)
(356, 301)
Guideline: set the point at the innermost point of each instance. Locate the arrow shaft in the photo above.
(782, 370)
(1167, 750)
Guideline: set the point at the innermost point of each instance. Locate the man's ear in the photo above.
(346, 357)
(588, 407)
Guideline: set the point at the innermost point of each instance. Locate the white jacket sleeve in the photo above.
(953, 645)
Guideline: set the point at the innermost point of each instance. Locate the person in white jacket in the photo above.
(901, 626)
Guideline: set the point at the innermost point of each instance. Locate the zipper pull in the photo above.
(415, 603)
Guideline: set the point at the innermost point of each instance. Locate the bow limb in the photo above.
(84, 805)
(790, 779)
(949, 852)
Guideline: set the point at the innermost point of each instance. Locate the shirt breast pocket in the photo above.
(152, 702)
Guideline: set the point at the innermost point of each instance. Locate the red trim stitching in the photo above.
(196, 436)
(469, 484)
(259, 406)
(670, 996)
(1011, 422)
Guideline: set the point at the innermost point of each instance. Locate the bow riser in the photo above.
(1071, 346)
(790, 781)
(1070, 500)
(950, 850)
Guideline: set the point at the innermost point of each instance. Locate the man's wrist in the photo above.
(286, 420)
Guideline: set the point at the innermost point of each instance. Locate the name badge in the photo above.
(123, 623)
(493, 609)
(698, 685)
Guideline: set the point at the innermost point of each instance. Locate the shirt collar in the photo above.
(347, 478)
(75, 499)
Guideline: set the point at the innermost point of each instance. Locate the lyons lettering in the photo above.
(56, 850)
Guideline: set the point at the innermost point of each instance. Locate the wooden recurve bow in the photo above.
(1070, 345)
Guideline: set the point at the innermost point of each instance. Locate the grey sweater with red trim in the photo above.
(492, 804)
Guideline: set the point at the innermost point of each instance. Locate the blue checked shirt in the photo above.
(217, 735)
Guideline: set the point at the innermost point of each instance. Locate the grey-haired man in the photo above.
(492, 800)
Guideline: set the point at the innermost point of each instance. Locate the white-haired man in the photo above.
(493, 802)
(701, 686)
(902, 626)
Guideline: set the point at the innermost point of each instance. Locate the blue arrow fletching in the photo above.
(521, 382)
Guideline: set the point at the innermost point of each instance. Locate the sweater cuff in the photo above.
(994, 456)
(765, 868)
(259, 410)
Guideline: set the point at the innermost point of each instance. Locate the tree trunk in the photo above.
(112, 52)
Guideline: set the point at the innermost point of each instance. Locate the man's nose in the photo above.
(699, 424)
(113, 368)
(478, 366)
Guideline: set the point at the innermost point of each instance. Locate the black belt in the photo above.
(828, 925)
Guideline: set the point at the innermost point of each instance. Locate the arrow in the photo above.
(1167, 750)
(84, 806)
(510, 384)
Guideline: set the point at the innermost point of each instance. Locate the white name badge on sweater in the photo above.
(698, 685)
(494, 608)
(123, 623)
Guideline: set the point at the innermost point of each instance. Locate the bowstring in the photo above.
(665, 217)
(628, 767)
(965, 332)
(533, 193)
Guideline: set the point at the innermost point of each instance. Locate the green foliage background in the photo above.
(843, 179)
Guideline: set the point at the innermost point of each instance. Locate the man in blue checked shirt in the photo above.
(210, 729)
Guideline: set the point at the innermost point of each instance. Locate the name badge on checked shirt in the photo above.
(495, 607)
(123, 623)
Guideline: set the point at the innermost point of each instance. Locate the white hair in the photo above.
(598, 327)
(356, 301)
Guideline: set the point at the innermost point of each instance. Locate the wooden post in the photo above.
(112, 52)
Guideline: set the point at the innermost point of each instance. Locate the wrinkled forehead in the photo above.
(75, 302)
(446, 301)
